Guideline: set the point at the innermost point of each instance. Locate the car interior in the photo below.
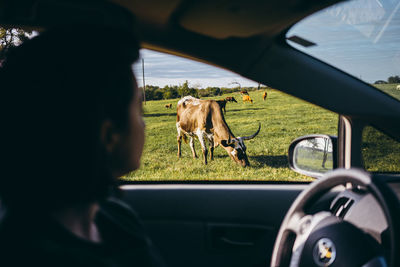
(347, 217)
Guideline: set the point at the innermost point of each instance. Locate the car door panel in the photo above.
(213, 225)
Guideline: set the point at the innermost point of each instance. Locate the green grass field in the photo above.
(380, 152)
(389, 89)
(282, 117)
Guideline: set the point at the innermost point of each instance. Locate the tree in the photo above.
(10, 37)
(185, 90)
(170, 92)
(394, 79)
(380, 82)
(153, 92)
(158, 94)
(214, 91)
(203, 93)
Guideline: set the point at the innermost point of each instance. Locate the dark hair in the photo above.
(57, 89)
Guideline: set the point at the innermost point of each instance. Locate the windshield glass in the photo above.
(360, 37)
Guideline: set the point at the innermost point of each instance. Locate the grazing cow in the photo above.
(168, 105)
(244, 92)
(264, 95)
(230, 99)
(204, 119)
(246, 98)
(398, 87)
(222, 104)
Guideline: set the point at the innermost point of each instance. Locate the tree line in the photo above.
(391, 79)
(177, 91)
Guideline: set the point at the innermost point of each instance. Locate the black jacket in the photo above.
(41, 241)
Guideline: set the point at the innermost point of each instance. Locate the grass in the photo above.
(380, 152)
(282, 117)
(389, 89)
(312, 160)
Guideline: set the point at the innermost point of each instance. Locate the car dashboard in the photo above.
(361, 208)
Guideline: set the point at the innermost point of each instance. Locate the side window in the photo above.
(380, 152)
(247, 105)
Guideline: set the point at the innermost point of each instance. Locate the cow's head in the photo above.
(237, 149)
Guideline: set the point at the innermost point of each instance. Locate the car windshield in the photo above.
(360, 37)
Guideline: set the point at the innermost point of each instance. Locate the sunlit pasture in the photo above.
(283, 118)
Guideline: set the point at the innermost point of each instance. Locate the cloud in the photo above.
(162, 69)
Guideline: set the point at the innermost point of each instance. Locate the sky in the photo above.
(162, 69)
(361, 37)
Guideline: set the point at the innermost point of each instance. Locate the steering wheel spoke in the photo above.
(294, 221)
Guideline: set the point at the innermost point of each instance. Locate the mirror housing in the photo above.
(313, 155)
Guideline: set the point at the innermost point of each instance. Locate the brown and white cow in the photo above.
(204, 119)
(168, 105)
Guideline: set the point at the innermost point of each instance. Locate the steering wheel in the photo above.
(322, 239)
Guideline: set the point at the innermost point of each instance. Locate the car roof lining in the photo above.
(233, 18)
(225, 18)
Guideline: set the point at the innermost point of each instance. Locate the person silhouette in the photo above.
(72, 124)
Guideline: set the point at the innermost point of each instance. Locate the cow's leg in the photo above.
(192, 147)
(179, 139)
(202, 140)
(211, 148)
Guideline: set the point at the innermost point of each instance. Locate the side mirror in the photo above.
(313, 155)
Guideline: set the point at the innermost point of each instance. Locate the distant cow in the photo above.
(398, 87)
(203, 119)
(222, 104)
(168, 105)
(230, 99)
(264, 96)
(246, 98)
(244, 92)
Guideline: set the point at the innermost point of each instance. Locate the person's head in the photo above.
(71, 117)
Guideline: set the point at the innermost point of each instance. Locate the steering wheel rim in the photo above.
(320, 187)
